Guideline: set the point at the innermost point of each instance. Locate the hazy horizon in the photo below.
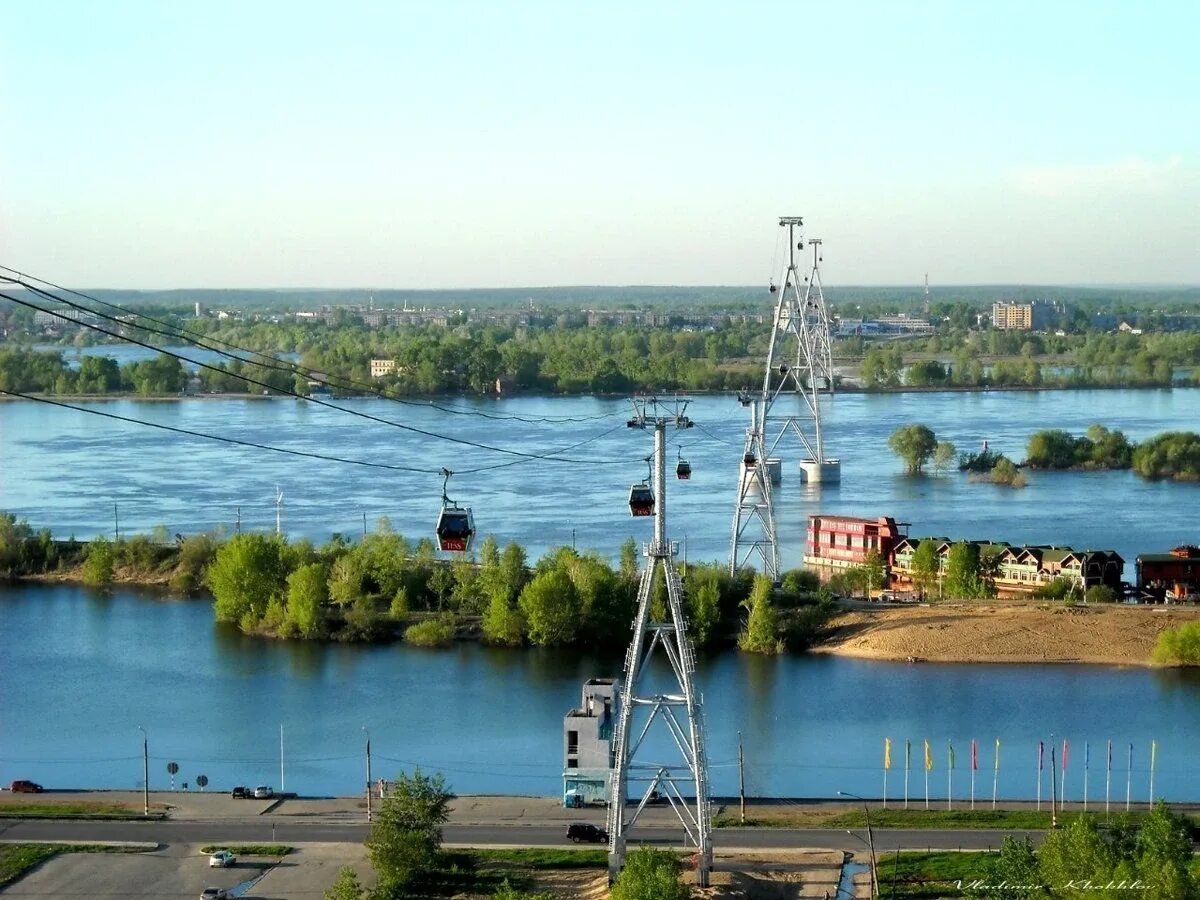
(468, 145)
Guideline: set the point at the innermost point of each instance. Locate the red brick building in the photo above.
(1176, 573)
(841, 542)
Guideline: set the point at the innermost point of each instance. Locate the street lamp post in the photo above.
(870, 840)
(368, 734)
(145, 771)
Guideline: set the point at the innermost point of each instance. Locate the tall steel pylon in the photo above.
(754, 535)
(799, 359)
(673, 780)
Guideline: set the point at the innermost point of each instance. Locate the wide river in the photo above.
(80, 672)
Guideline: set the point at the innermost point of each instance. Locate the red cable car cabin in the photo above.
(641, 500)
(455, 528)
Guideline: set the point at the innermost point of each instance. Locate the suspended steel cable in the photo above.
(551, 455)
(311, 455)
(205, 341)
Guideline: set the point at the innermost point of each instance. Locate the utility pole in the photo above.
(116, 525)
(281, 757)
(870, 841)
(364, 523)
(364, 728)
(238, 527)
(145, 771)
(741, 779)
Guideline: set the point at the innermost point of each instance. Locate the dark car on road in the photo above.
(25, 787)
(240, 792)
(586, 832)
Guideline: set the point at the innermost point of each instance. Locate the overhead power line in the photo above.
(290, 393)
(206, 342)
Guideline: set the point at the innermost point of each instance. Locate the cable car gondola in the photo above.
(641, 500)
(683, 468)
(455, 524)
(750, 460)
(641, 497)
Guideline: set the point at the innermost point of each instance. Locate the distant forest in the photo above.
(898, 297)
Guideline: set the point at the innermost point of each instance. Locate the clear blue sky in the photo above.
(458, 144)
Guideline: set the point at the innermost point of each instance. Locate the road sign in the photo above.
(202, 780)
(172, 768)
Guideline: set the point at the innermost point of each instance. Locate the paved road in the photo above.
(886, 839)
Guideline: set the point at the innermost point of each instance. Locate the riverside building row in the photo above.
(837, 543)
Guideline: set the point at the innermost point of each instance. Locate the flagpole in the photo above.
(1128, 777)
(974, 766)
(1087, 754)
(928, 766)
(996, 773)
(1153, 757)
(1041, 751)
(907, 767)
(950, 777)
(1062, 791)
(1108, 779)
(887, 764)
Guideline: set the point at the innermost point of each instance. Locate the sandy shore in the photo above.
(991, 631)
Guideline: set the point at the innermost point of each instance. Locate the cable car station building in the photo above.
(588, 743)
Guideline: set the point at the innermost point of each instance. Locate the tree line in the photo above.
(1171, 454)
(383, 586)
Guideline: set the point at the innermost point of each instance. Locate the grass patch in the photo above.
(823, 817)
(17, 859)
(71, 811)
(539, 858)
(249, 849)
(929, 874)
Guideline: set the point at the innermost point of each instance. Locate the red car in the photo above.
(25, 787)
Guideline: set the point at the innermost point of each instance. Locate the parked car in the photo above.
(263, 792)
(587, 832)
(22, 786)
(222, 859)
(241, 792)
(215, 893)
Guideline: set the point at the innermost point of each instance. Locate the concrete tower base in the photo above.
(826, 471)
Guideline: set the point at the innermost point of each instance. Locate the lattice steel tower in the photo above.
(754, 535)
(678, 709)
(799, 360)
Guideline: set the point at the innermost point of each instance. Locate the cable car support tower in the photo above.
(678, 708)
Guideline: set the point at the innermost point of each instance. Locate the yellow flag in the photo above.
(928, 757)
(997, 753)
(887, 752)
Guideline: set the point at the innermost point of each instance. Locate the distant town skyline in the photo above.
(473, 145)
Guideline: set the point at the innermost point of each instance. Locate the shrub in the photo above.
(1100, 593)
(99, 563)
(650, 874)
(436, 632)
(1179, 646)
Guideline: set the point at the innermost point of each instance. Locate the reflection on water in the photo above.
(78, 674)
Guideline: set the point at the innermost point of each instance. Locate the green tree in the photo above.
(926, 566)
(761, 634)
(1013, 874)
(307, 595)
(246, 573)
(346, 887)
(650, 874)
(629, 560)
(1163, 855)
(407, 835)
(703, 595)
(99, 563)
(550, 604)
(944, 456)
(1006, 473)
(1077, 852)
(1179, 646)
(914, 444)
(963, 579)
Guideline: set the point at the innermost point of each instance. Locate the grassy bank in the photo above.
(73, 811)
(249, 849)
(929, 875)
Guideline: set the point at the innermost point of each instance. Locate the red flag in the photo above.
(1041, 755)
(974, 755)
(1066, 747)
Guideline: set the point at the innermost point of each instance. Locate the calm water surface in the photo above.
(79, 673)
